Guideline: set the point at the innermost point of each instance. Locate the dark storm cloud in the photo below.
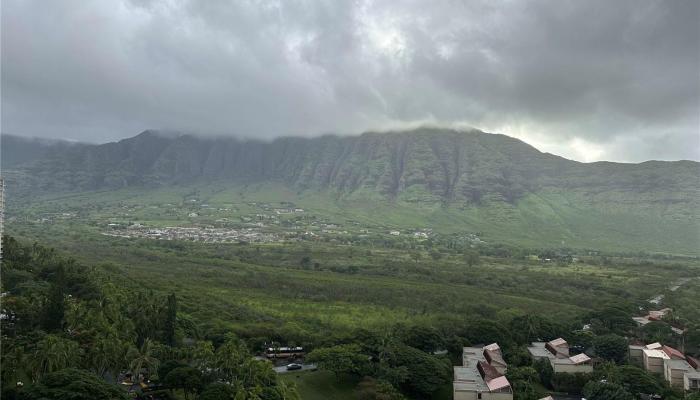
(588, 80)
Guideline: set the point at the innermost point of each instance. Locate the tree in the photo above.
(164, 368)
(612, 319)
(54, 309)
(229, 357)
(545, 371)
(657, 331)
(611, 347)
(186, 378)
(424, 373)
(257, 373)
(53, 353)
(107, 354)
(202, 355)
(73, 384)
(471, 258)
(435, 255)
(170, 320)
(341, 359)
(606, 391)
(525, 382)
(373, 389)
(528, 328)
(415, 255)
(143, 358)
(635, 379)
(219, 391)
(425, 338)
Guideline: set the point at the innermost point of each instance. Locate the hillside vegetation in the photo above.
(450, 180)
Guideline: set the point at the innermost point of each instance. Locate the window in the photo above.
(478, 395)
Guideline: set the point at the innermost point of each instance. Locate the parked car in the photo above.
(293, 366)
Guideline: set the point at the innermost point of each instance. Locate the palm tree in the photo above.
(143, 358)
(288, 390)
(202, 355)
(53, 353)
(107, 355)
(229, 357)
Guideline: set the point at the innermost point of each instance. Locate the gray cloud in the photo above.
(587, 80)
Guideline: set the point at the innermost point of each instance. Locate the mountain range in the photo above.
(442, 168)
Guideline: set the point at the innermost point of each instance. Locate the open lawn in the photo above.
(322, 385)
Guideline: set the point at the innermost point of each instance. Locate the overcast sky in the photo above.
(588, 80)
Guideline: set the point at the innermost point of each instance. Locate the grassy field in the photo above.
(321, 385)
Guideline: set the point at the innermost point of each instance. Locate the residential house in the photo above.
(481, 375)
(679, 370)
(658, 315)
(557, 352)
(691, 381)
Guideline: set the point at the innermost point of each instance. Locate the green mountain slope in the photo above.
(447, 179)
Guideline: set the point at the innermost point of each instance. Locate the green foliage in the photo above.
(612, 319)
(635, 380)
(471, 258)
(545, 371)
(229, 357)
(657, 331)
(373, 389)
(170, 321)
(611, 347)
(525, 382)
(54, 309)
(341, 359)
(569, 383)
(186, 378)
(528, 328)
(425, 338)
(218, 391)
(165, 367)
(606, 391)
(424, 373)
(53, 353)
(72, 384)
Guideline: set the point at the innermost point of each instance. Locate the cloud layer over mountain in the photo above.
(587, 80)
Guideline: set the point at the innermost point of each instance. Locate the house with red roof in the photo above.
(557, 352)
(679, 370)
(482, 375)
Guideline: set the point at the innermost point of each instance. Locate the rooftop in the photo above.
(655, 353)
(468, 379)
(477, 374)
(537, 349)
(678, 364)
(579, 358)
(558, 342)
(673, 353)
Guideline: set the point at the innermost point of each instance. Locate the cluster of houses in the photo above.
(482, 375)
(557, 352)
(679, 370)
(657, 315)
(196, 234)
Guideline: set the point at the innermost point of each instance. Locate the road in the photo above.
(304, 367)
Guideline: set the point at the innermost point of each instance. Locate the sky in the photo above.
(588, 80)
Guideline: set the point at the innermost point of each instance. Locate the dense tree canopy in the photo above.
(72, 384)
